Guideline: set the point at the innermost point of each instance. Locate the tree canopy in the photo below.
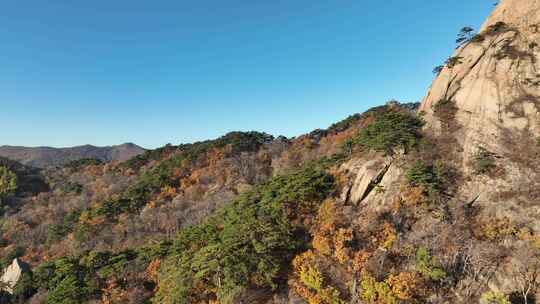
(8, 182)
(390, 131)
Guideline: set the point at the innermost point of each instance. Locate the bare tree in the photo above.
(526, 272)
(474, 268)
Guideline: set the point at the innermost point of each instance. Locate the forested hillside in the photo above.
(405, 203)
(101, 231)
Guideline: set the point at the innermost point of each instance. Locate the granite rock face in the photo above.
(492, 89)
(485, 103)
(494, 81)
(366, 177)
(12, 274)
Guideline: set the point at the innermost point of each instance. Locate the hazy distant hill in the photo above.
(46, 156)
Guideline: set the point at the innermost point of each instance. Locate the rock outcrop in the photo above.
(367, 177)
(485, 103)
(493, 81)
(12, 274)
(491, 90)
(482, 108)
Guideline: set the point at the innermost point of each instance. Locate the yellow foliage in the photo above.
(342, 253)
(327, 216)
(410, 197)
(374, 292)
(408, 250)
(387, 236)
(322, 243)
(404, 285)
(305, 266)
(328, 238)
(311, 285)
(168, 192)
(495, 229)
(526, 234)
(492, 297)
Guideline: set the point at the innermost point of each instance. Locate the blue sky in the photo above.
(152, 72)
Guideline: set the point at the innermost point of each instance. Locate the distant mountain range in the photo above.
(42, 157)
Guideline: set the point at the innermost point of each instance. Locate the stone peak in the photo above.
(518, 13)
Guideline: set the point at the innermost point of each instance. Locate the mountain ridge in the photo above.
(45, 156)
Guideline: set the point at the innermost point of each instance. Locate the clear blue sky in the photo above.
(105, 72)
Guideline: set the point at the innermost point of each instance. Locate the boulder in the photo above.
(365, 176)
(12, 274)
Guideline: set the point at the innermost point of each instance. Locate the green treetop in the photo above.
(8, 182)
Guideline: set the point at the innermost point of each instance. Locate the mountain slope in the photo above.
(132, 210)
(394, 205)
(470, 195)
(42, 157)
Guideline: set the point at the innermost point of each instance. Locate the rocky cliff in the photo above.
(482, 117)
(492, 82)
(486, 102)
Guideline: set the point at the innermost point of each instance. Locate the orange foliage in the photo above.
(342, 253)
(386, 236)
(168, 192)
(152, 269)
(151, 204)
(86, 218)
(322, 243)
(405, 285)
(359, 260)
(323, 233)
(310, 282)
(216, 155)
(494, 229)
(330, 142)
(112, 293)
(410, 197)
(306, 293)
(329, 237)
(94, 170)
